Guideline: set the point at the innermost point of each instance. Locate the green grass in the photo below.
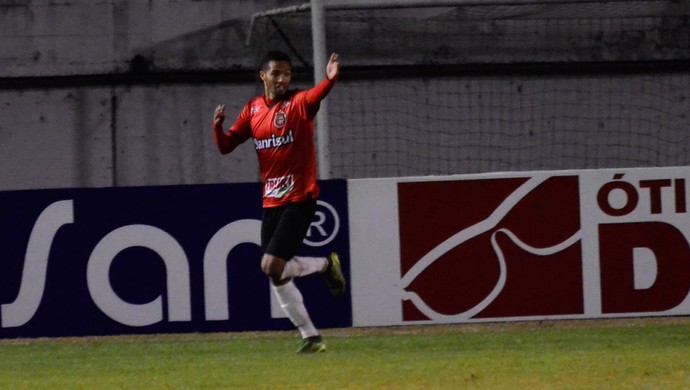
(587, 355)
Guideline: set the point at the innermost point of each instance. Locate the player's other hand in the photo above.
(219, 115)
(333, 67)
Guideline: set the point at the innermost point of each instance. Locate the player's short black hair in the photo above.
(274, 55)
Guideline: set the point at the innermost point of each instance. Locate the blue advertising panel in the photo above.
(168, 259)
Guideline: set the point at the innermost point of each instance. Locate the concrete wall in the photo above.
(159, 135)
(45, 37)
(103, 131)
(56, 135)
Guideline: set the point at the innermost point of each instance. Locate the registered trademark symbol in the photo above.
(324, 227)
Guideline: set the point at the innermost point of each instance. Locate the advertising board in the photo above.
(152, 260)
(521, 246)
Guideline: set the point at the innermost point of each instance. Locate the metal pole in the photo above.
(318, 33)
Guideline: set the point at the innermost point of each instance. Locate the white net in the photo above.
(443, 90)
(450, 125)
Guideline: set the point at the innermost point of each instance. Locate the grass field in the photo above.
(611, 354)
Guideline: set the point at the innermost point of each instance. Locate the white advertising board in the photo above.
(520, 246)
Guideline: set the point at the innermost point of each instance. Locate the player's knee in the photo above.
(274, 273)
(273, 267)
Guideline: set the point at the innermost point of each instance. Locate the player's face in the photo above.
(276, 78)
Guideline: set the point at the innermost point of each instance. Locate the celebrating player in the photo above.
(281, 122)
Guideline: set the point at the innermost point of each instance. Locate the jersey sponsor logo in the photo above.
(279, 187)
(274, 141)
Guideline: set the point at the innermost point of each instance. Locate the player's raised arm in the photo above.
(321, 90)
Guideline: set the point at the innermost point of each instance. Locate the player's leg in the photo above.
(286, 238)
(302, 266)
(291, 301)
(283, 230)
(296, 220)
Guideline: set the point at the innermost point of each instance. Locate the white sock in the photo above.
(291, 302)
(301, 266)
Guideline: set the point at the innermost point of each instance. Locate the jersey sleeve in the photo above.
(315, 95)
(239, 132)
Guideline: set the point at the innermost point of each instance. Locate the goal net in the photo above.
(479, 86)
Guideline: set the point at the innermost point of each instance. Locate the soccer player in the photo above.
(281, 122)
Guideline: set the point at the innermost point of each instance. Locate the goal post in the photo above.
(318, 28)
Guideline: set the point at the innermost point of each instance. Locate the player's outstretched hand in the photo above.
(219, 115)
(333, 67)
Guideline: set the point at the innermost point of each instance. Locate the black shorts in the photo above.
(283, 228)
